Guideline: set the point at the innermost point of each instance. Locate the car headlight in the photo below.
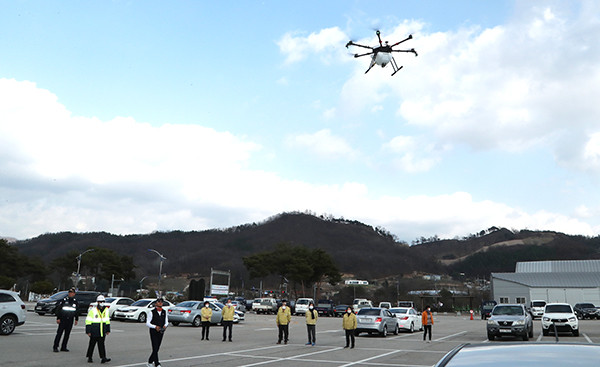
(547, 319)
(519, 322)
(492, 322)
(572, 319)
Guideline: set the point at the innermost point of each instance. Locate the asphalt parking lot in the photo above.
(254, 344)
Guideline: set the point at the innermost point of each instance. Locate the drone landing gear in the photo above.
(395, 66)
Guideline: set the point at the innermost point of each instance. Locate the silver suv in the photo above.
(12, 311)
(510, 319)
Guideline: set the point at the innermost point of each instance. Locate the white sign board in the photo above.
(219, 289)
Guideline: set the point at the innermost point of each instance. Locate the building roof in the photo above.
(559, 266)
(552, 280)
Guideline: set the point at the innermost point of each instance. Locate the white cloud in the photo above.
(414, 154)
(323, 143)
(326, 42)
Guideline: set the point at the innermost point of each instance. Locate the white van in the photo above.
(359, 303)
(302, 305)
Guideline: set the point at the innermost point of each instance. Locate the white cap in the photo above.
(100, 298)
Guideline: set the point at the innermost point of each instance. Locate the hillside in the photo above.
(358, 249)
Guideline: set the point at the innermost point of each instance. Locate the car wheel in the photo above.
(545, 332)
(142, 317)
(197, 322)
(384, 332)
(525, 337)
(576, 332)
(490, 337)
(7, 324)
(531, 331)
(412, 327)
(175, 323)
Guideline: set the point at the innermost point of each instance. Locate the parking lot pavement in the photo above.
(254, 344)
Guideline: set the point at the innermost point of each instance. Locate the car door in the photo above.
(216, 314)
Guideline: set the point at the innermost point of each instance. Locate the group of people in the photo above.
(97, 325)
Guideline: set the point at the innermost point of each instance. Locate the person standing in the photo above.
(97, 327)
(311, 324)
(228, 312)
(349, 325)
(205, 316)
(284, 317)
(157, 323)
(66, 313)
(427, 320)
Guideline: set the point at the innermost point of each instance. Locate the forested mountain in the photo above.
(358, 249)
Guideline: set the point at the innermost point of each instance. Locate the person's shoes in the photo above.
(285, 342)
(202, 339)
(345, 346)
(313, 344)
(223, 340)
(90, 360)
(279, 342)
(55, 350)
(309, 343)
(230, 340)
(104, 360)
(64, 350)
(207, 338)
(352, 347)
(150, 364)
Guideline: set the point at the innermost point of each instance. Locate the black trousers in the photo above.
(205, 328)
(425, 328)
(284, 333)
(312, 333)
(65, 326)
(155, 339)
(227, 325)
(92, 344)
(349, 337)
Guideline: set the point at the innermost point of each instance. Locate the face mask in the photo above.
(229, 305)
(100, 304)
(283, 307)
(206, 306)
(349, 311)
(310, 307)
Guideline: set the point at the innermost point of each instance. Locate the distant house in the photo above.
(570, 281)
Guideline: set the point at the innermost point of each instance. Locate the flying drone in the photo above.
(382, 55)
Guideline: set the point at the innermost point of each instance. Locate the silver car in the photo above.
(510, 320)
(188, 312)
(376, 320)
(522, 354)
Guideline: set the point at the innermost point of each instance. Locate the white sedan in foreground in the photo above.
(139, 310)
(408, 318)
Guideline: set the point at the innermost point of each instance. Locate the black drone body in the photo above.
(382, 54)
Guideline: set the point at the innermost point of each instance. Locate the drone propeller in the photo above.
(411, 50)
(350, 43)
(379, 37)
(404, 40)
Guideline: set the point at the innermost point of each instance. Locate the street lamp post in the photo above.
(162, 258)
(79, 265)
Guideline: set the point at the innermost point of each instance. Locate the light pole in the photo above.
(112, 283)
(162, 258)
(79, 265)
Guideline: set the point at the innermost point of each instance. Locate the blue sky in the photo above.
(133, 117)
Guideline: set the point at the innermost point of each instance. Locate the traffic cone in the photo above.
(471, 314)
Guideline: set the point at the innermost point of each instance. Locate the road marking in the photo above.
(539, 337)
(370, 358)
(330, 331)
(588, 339)
(266, 328)
(291, 358)
(449, 336)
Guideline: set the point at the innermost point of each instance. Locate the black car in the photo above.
(84, 298)
(586, 311)
(325, 307)
(486, 309)
(339, 310)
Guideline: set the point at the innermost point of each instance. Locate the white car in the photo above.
(408, 318)
(113, 303)
(255, 303)
(537, 308)
(560, 316)
(361, 303)
(302, 305)
(139, 310)
(12, 311)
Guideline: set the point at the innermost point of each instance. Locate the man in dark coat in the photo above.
(66, 314)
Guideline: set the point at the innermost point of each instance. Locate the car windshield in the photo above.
(558, 309)
(369, 311)
(109, 300)
(141, 303)
(342, 307)
(587, 305)
(398, 310)
(324, 304)
(508, 310)
(59, 295)
(538, 304)
(219, 304)
(302, 302)
(266, 302)
(187, 304)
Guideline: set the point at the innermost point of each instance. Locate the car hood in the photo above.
(129, 308)
(507, 317)
(558, 315)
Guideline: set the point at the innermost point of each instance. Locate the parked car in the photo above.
(560, 316)
(510, 320)
(237, 315)
(139, 310)
(586, 311)
(376, 320)
(536, 307)
(486, 309)
(408, 318)
(302, 305)
(387, 305)
(266, 305)
(359, 303)
(12, 311)
(48, 305)
(113, 303)
(325, 307)
(340, 309)
(255, 303)
(406, 304)
(519, 354)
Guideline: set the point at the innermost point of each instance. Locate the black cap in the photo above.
(160, 299)
(72, 290)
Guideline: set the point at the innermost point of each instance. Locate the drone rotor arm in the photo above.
(365, 54)
(350, 43)
(412, 50)
(404, 40)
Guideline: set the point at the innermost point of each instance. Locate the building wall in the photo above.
(502, 289)
(510, 290)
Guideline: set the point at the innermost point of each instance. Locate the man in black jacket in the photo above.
(157, 322)
(66, 313)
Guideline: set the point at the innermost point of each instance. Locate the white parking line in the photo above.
(449, 336)
(539, 337)
(362, 361)
(291, 358)
(588, 339)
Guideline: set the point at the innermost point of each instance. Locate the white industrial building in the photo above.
(570, 281)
